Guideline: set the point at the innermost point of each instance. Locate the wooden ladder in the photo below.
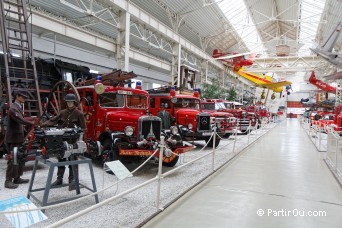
(20, 68)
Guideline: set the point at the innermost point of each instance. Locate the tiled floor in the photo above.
(282, 176)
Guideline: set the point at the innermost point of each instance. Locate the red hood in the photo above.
(186, 116)
(118, 120)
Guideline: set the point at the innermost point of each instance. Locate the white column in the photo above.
(123, 41)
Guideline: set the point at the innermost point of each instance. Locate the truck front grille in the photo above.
(149, 127)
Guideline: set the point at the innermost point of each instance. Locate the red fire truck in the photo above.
(243, 116)
(119, 125)
(227, 120)
(186, 114)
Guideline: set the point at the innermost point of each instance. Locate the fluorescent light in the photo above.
(94, 71)
(15, 55)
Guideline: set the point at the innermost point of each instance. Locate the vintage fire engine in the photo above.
(262, 113)
(227, 120)
(243, 117)
(185, 112)
(119, 125)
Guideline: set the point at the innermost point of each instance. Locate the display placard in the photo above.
(118, 169)
(22, 219)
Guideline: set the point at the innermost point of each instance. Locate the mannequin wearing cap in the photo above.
(69, 118)
(165, 116)
(14, 138)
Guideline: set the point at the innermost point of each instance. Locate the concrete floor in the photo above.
(282, 175)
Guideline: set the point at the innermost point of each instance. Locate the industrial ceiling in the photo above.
(240, 26)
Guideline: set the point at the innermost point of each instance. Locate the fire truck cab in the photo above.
(243, 116)
(227, 120)
(185, 113)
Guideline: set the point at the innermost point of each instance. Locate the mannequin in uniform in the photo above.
(165, 116)
(69, 118)
(14, 138)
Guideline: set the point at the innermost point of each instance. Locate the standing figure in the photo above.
(165, 116)
(14, 138)
(67, 118)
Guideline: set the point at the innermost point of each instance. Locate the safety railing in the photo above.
(334, 153)
(316, 133)
(215, 153)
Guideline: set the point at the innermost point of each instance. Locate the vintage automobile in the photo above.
(185, 112)
(261, 112)
(227, 120)
(119, 125)
(244, 118)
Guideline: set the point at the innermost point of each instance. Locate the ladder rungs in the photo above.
(15, 12)
(20, 68)
(15, 20)
(12, 79)
(13, 3)
(12, 46)
(15, 29)
(14, 38)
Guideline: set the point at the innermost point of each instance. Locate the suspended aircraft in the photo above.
(234, 59)
(326, 50)
(263, 81)
(239, 61)
(320, 84)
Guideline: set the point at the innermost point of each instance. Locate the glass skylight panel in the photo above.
(311, 12)
(238, 15)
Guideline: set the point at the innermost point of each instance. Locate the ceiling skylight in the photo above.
(311, 12)
(238, 15)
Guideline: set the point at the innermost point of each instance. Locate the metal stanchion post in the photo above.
(237, 125)
(256, 130)
(214, 148)
(337, 149)
(249, 129)
(161, 152)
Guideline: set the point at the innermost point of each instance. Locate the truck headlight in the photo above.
(190, 126)
(129, 131)
(174, 130)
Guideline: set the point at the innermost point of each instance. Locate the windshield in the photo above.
(137, 101)
(112, 100)
(225, 105)
(187, 103)
(328, 117)
(208, 106)
(211, 106)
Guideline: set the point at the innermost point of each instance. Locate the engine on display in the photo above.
(60, 142)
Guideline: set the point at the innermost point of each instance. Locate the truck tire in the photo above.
(227, 135)
(211, 143)
(111, 153)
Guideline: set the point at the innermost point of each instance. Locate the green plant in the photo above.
(214, 90)
(231, 94)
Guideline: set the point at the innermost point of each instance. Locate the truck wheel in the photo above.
(110, 153)
(227, 135)
(169, 159)
(211, 143)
